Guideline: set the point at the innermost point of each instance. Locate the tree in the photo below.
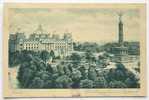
(117, 84)
(87, 46)
(118, 74)
(48, 84)
(37, 83)
(101, 82)
(41, 66)
(76, 58)
(67, 71)
(49, 68)
(92, 75)
(33, 66)
(25, 75)
(52, 54)
(21, 72)
(60, 69)
(63, 82)
(83, 72)
(46, 77)
(25, 56)
(132, 81)
(70, 67)
(35, 73)
(122, 78)
(89, 56)
(76, 76)
(120, 66)
(17, 57)
(86, 83)
(121, 73)
(44, 55)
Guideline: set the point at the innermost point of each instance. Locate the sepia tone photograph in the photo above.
(74, 50)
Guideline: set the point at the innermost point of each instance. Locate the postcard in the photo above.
(74, 50)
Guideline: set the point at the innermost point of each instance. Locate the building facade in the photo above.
(39, 41)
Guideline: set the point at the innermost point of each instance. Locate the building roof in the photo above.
(30, 41)
(52, 41)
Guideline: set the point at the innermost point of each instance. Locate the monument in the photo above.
(120, 51)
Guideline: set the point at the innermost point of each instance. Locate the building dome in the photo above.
(39, 30)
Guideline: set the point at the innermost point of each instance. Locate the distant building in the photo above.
(39, 41)
(120, 52)
(129, 56)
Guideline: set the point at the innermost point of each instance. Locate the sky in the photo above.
(85, 24)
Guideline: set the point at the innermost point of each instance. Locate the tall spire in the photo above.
(120, 16)
(39, 30)
(120, 27)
